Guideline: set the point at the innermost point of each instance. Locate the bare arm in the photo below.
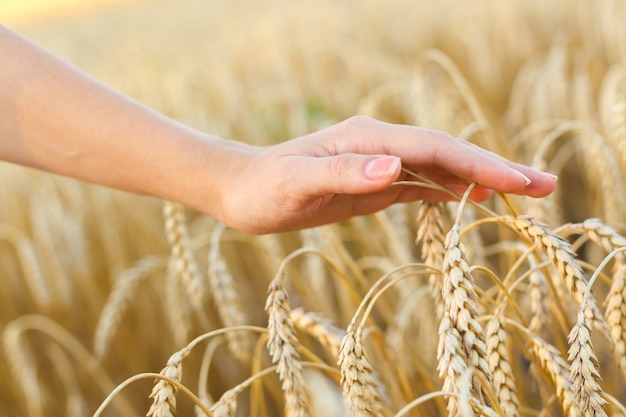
(56, 118)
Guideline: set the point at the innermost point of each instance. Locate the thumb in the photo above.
(355, 173)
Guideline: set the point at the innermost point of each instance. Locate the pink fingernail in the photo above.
(382, 167)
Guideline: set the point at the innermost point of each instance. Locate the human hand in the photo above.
(349, 169)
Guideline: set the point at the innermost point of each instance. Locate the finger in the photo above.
(428, 149)
(348, 173)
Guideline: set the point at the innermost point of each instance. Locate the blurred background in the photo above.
(540, 82)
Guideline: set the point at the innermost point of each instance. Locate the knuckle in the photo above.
(337, 167)
(357, 123)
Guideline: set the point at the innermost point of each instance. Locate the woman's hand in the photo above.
(56, 118)
(349, 169)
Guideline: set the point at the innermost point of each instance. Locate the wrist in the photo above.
(210, 168)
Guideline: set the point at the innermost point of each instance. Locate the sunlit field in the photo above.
(115, 304)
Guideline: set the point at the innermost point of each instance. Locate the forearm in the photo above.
(56, 118)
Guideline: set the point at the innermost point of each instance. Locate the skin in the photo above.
(56, 118)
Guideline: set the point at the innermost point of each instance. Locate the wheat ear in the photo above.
(538, 296)
(562, 257)
(462, 342)
(163, 393)
(500, 364)
(557, 369)
(615, 314)
(315, 269)
(430, 235)
(584, 372)
(321, 328)
(118, 301)
(615, 309)
(23, 368)
(283, 347)
(227, 299)
(181, 253)
(31, 266)
(357, 382)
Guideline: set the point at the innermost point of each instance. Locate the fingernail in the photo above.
(526, 179)
(382, 167)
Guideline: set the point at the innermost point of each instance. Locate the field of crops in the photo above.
(115, 304)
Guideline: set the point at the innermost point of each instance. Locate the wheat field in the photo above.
(122, 305)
